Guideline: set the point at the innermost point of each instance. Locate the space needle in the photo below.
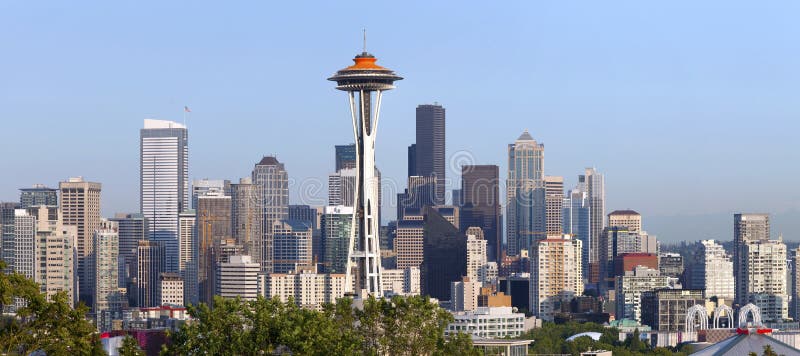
(365, 82)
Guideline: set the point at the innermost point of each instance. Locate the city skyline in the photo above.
(681, 132)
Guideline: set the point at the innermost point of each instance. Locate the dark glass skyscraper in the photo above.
(480, 190)
(412, 160)
(444, 254)
(430, 146)
(345, 156)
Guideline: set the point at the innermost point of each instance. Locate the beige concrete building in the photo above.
(555, 274)
(464, 294)
(625, 218)
(408, 243)
(171, 289)
(54, 253)
(554, 203)
(80, 207)
(308, 288)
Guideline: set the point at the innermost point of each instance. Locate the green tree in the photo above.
(51, 326)
(130, 347)
(768, 351)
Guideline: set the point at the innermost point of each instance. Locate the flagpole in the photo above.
(184, 116)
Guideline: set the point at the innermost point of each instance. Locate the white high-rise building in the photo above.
(53, 251)
(106, 250)
(594, 182)
(341, 187)
(712, 270)
(164, 183)
(630, 288)
(238, 278)
(765, 269)
(189, 253)
(555, 274)
(476, 252)
(24, 243)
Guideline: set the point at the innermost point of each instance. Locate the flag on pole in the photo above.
(186, 109)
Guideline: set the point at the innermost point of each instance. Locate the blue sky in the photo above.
(689, 108)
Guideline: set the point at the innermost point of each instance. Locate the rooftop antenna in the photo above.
(365, 40)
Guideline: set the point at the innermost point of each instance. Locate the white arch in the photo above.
(728, 315)
(749, 309)
(690, 315)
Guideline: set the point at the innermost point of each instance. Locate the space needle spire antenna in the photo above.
(365, 82)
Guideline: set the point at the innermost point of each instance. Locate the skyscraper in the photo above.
(765, 269)
(444, 253)
(421, 192)
(476, 252)
(341, 187)
(345, 156)
(189, 256)
(361, 81)
(555, 274)
(149, 266)
(480, 205)
(313, 216)
(25, 242)
(577, 221)
(554, 203)
(202, 186)
(747, 228)
(274, 181)
(132, 228)
(291, 245)
(430, 146)
(336, 225)
(595, 187)
(7, 233)
(247, 214)
(54, 253)
(628, 219)
(164, 183)
(238, 277)
(525, 220)
(412, 160)
(106, 249)
(712, 271)
(80, 207)
(39, 194)
(213, 226)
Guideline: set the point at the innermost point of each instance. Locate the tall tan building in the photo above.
(625, 218)
(554, 203)
(555, 274)
(213, 226)
(408, 243)
(80, 207)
